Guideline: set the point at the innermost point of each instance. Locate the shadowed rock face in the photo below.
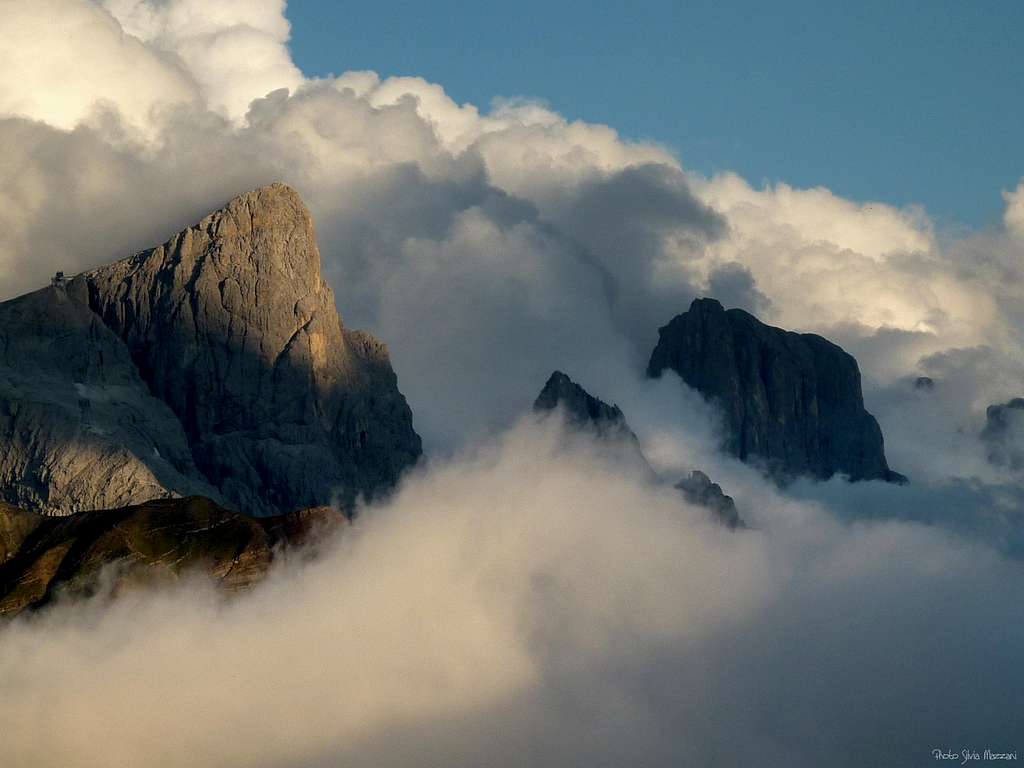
(161, 541)
(584, 411)
(791, 402)
(217, 362)
(698, 489)
(1003, 434)
(924, 384)
(580, 407)
(79, 428)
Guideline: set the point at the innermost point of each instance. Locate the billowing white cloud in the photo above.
(63, 60)
(824, 260)
(580, 617)
(234, 49)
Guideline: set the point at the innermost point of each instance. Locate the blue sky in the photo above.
(899, 102)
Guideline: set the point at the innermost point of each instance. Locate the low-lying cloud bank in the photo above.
(535, 603)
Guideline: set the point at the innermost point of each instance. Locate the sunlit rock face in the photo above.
(44, 558)
(791, 402)
(232, 325)
(214, 364)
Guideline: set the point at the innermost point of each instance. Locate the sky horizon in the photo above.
(905, 106)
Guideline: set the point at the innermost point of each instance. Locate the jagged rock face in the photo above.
(79, 429)
(584, 411)
(791, 402)
(1003, 434)
(158, 542)
(697, 488)
(232, 326)
(580, 407)
(924, 384)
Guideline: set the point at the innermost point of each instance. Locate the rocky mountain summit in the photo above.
(1003, 434)
(791, 402)
(697, 488)
(584, 411)
(581, 408)
(44, 557)
(214, 364)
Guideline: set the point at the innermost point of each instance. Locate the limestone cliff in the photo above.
(1003, 434)
(791, 402)
(79, 429)
(581, 408)
(231, 324)
(214, 364)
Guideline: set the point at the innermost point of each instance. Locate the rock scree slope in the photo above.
(44, 558)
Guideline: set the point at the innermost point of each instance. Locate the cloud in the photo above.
(1014, 217)
(525, 599)
(734, 286)
(824, 261)
(234, 49)
(579, 617)
(62, 60)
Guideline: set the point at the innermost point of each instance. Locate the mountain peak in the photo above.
(273, 188)
(581, 408)
(231, 328)
(706, 304)
(268, 230)
(269, 206)
(276, 196)
(790, 401)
